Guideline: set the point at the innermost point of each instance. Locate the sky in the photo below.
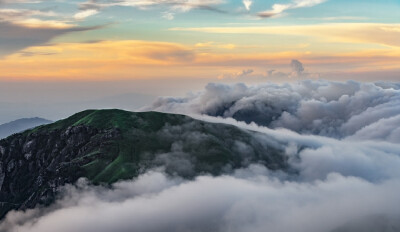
(163, 39)
(85, 50)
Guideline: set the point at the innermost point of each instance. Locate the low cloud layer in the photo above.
(345, 184)
(247, 201)
(338, 185)
(334, 109)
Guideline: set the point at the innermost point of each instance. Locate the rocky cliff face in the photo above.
(107, 146)
(33, 166)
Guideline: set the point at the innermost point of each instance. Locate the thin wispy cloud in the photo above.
(247, 4)
(93, 7)
(372, 33)
(278, 9)
(18, 1)
(84, 14)
(33, 18)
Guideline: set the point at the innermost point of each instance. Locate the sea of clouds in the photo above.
(334, 109)
(341, 139)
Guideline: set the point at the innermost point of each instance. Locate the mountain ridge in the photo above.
(106, 146)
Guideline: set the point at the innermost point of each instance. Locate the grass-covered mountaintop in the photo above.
(106, 146)
(115, 118)
(119, 158)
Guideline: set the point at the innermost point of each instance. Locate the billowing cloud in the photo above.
(316, 107)
(341, 185)
(330, 185)
(381, 129)
(315, 157)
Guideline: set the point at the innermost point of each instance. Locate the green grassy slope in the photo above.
(142, 140)
(106, 146)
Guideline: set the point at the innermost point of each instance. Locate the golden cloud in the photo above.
(383, 34)
(132, 59)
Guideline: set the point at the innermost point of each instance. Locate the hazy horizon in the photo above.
(31, 98)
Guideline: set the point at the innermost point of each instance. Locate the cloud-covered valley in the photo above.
(341, 142)
(246, 201)
(333, 109)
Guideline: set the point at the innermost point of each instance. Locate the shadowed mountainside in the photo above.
(105, 146)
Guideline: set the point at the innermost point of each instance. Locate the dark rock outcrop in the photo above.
(33, 166)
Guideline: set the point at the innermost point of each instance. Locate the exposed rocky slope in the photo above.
(109, 145)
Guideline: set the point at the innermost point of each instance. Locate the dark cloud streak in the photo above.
(266, 15)
(16, 37)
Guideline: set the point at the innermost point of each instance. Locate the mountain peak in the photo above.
(106, 146)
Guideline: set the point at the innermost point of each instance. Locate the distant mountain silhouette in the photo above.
(20, 125)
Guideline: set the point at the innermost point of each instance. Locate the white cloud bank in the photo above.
(334, 109)
(337, 185)
(248, 201)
